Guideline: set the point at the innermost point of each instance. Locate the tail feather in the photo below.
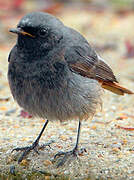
(116, 88)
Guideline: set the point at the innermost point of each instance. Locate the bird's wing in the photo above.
(12, 52)
(92, 66)
(89, 65)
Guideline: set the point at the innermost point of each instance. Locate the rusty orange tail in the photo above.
(116, 88)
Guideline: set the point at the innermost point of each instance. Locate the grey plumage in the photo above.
(42, 80)
(55, 74)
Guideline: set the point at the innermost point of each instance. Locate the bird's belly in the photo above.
(79, 98)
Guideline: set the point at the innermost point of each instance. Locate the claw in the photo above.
(65, 156)
(65, 153)
(35, 146)
(19, 149)
(27, 150)
(59, 154)
(47, 144)
(74, 153)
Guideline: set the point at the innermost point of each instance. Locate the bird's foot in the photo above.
(69, 154)
(35, 146)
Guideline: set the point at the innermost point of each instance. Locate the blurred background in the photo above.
(108, 25)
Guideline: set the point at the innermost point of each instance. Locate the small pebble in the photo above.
(24, 162)
(47, 163)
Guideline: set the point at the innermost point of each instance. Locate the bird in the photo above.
(55, 74)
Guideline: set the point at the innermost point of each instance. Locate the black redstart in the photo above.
(55, 74)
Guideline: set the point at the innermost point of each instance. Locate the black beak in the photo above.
(20, 31)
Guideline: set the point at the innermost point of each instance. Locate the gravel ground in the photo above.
(108, 138)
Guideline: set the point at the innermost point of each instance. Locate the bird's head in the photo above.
(38, 30)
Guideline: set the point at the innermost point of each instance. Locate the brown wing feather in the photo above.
(101, 72)
(104, 72)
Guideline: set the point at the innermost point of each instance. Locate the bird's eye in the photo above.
(43, 32)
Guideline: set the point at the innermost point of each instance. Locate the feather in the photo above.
(96, 68)
(116, 88)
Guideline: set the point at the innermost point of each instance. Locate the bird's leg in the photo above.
(27, 149)
(73, 152)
